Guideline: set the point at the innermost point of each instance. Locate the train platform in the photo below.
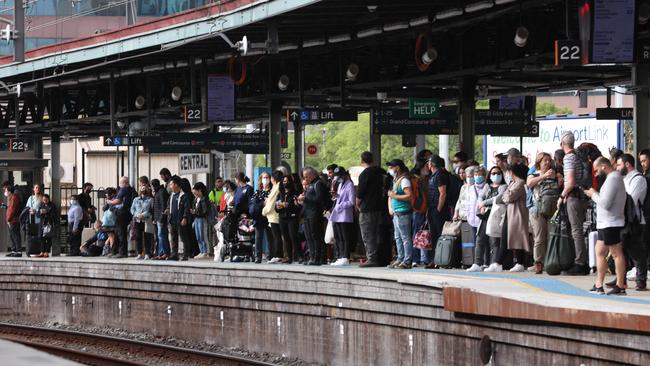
(540, 313)
(15, 354)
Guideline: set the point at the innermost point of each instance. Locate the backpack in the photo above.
(646, 201)
(632, 217)
(546, 195)
(213, 213)
(418, 195)
(328, 203)
(453, 190)
(586, 154)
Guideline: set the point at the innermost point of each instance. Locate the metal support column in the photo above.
(55, 188)
(299, 146)
(641, 80)
(375, 142)
(19, 28)
(275, 130)
(133, 166)
(467, 106)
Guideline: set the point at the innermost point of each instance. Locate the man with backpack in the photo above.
(575, 176)
(315, 201)
(399, 207)
(636, 187)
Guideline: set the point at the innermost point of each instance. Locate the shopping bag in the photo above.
(451, 228)
(494, 224)
(329, 233)
(422, 239)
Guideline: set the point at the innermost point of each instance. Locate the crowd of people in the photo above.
(394, 216)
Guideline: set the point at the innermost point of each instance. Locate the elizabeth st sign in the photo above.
(249, 143)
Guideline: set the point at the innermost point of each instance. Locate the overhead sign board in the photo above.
(193, 164)
(118, 141)
(568, 53)
(613, 31)
(249, 143)
(221, 98)
(615, 113)
(397, 122)
(321, 115)
(502, 122)
(17, 145)
(423, 108)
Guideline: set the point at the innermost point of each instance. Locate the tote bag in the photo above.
(495, 221)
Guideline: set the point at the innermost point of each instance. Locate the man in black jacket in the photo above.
(179, 218)
(160, 206)
(372, 206)
(313, 206)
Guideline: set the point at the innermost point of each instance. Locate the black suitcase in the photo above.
(34, 245)
(447, 254)
(468, 244)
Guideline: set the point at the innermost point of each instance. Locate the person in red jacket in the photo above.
(13, 214)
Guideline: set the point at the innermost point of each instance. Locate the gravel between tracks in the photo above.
(171, 341)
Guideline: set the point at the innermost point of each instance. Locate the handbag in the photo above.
(561, 251)
(451, 228)
(149, 226)
(495, 220)
(422, 239)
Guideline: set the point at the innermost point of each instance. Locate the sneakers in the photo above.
(616, 291)
(405, 265)
(200, 256)
(395, 263)
(146, 257)
(518, 268)
(494, 267)
(597, 290)
(15, 255)
(341, 262)
(139, 257)
(631, 274)
(475, 268)
(274, 260)
(641, 286)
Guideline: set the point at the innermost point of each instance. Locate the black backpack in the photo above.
(328, 203)
(586, 154)
(646, 201)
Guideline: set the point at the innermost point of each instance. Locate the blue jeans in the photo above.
(403, 236)
(163, 239)
(200, 224)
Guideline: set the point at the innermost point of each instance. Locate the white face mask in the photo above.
(6, 193)
(266, 181)
(73, 202)
(392, 173)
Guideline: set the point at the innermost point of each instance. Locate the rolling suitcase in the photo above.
(447, 252)
(34, 245)
(468, 245)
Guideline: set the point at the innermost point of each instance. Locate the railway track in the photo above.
(101, 350)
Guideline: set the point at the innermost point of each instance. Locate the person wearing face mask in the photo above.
(460, 211)
(141, 213)
(75, 217)
(13, 219)
(261, 222)
(399, 207)
(473, 196)
(457, 162)
(86, 204)
(421, 173)
(494, 187)
(437, 202)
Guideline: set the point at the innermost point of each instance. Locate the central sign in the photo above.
(423, 108)
(193, 164)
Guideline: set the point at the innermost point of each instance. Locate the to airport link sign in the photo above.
(321, 115)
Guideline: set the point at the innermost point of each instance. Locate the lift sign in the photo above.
(193, 164)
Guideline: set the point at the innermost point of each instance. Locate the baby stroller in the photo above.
(238, 236)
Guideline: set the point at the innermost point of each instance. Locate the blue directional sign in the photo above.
(131, 140)
(321, 115)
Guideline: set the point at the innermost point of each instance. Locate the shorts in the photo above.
(610, 235)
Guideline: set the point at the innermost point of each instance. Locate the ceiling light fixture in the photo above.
(369, 32)
(478, 6)
(446, 14)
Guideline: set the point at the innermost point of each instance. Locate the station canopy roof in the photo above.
(317, 41)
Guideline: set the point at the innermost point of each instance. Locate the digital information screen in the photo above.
(613, 31)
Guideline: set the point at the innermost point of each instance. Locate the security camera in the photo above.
(482, 91)
(382, 96)
(121, 124)
(283, 83)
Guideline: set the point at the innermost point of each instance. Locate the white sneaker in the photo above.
(518, 268)
(200, 256)
(146, 257)
(341, 262)
(475, 268)
(494, 267)
(631, 274)
(336, 262)
(139, 257)
(274, 260)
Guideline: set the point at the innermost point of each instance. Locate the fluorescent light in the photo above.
(419, 21)
(51, 84)
(87, 78)
(255, 52)
(481, 5)
(222, 56)
(68, 82)
(198, 61)
(339, 38)
(169, 65)
(446, 14)
(395, 26)
(181, 63)
(133, 71)
(152, 68)
(369, 32)
(503, 2)
(287, 47)
(313, 43)
(105, 75)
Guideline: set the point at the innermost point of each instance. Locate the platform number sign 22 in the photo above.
(17, 145)
(192, 113)
(568, 52)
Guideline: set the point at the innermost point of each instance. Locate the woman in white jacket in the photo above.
(275, 241)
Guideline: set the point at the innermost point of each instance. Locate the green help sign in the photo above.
(423, 108)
